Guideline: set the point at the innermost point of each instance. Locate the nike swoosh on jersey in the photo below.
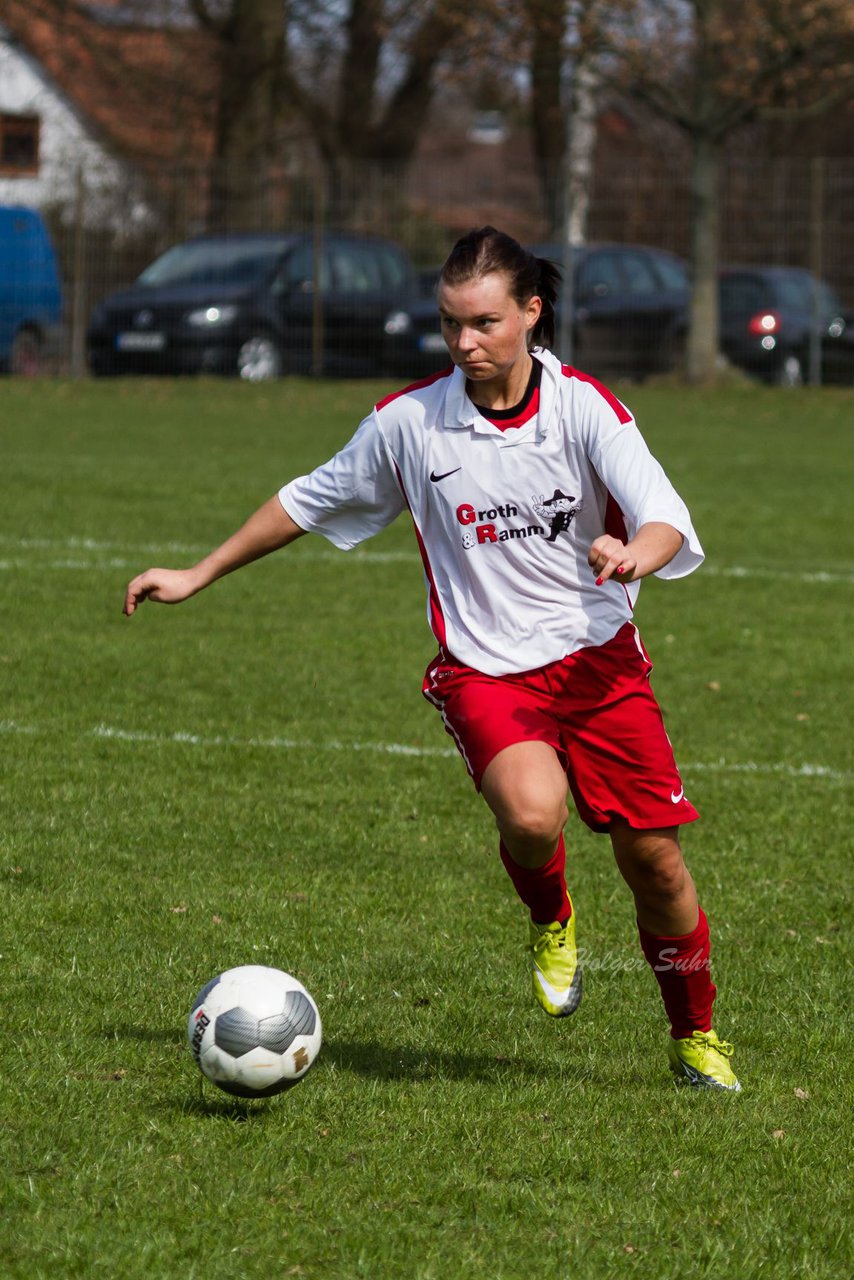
(444, 474)
(676, 796)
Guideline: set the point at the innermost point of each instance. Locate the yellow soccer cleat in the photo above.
(702, 1061)
(555, 971)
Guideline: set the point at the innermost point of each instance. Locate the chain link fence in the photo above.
(108, 225)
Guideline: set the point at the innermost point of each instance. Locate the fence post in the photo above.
(816, 260)
(317, 336)
(78, 297)
(567, 285)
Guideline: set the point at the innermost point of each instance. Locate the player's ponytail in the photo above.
(484, 251)
(543, 333)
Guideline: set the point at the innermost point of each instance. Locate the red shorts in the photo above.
(597, 710)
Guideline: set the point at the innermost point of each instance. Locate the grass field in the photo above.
(254, 777)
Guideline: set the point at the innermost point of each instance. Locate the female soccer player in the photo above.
(537, 508)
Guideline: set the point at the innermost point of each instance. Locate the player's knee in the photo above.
(534, 819)
(525, 787)
(653, 865)
(666, 877)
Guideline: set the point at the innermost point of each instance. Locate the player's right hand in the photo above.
(164, 586)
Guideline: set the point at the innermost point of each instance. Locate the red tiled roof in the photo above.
(148, 93)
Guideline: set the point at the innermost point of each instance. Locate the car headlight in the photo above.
(398, 322)
(207, 316)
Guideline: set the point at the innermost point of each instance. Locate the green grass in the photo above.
(158, 824)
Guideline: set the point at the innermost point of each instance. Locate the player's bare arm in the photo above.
(266, 530)
(653, 546)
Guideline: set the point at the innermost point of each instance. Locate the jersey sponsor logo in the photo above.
(466, 513)
(444, 475)
(484, 534)
(559, 511)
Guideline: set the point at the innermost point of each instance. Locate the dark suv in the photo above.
(630, 308)
(767, 317)
(255, 305)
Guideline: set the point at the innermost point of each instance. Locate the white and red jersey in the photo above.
(504, 519)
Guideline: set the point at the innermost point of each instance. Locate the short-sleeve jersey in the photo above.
(504, 519)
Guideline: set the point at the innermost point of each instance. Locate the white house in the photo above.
(50, 156)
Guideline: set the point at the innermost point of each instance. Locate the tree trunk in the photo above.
(403, 120)
(548, 124)
(250, 55)
(580, 149)
(365, 154)
(357, 86)
(702, 350)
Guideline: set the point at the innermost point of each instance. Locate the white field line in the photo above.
(65, 566)
(138, 558)
(132, 558)
(92, 544)
(276, 743)
(740, 571)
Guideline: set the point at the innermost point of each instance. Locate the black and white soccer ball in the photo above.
(254, 1031)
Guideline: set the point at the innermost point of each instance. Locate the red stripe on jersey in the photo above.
(615, 521)
(619, 408)
(437, 618)
(416, 386)
(615, 527)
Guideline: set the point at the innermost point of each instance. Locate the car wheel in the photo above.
(791, 371)
(259, 358)
(25, 357)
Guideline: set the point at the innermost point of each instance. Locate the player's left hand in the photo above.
(610, 558)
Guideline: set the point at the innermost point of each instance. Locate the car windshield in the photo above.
(214, 262)
(829, 301)
(795, 291)
(744, 293)
(672, 273)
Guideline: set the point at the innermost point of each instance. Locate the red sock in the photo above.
(682, 971)
(542, 889)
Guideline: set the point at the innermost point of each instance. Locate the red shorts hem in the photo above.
(595, 708)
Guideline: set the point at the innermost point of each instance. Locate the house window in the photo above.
(19, 144)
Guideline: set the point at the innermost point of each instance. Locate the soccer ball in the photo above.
(254, 1031)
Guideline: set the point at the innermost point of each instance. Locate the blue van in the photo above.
(30, 292)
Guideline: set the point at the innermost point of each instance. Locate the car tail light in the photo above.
(763, 323)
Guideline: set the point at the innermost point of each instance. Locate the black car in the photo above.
(767, 318)
(255, 305)
(630, 307)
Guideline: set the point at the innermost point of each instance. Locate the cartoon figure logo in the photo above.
(559, 510)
